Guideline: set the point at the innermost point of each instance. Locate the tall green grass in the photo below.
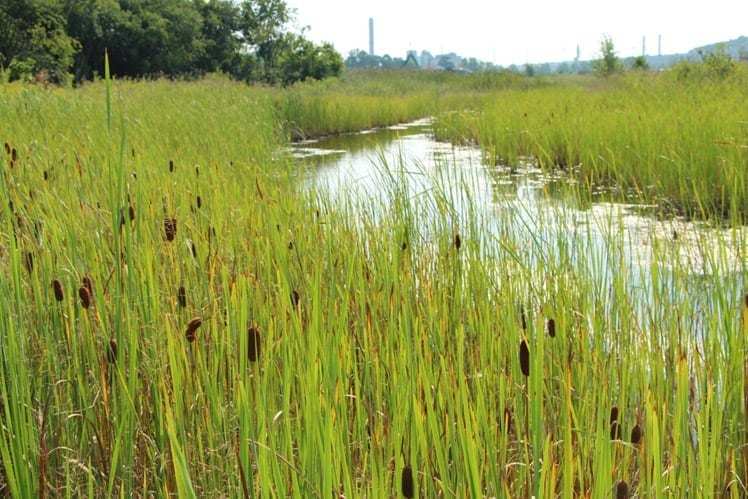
(682, 144)
(384, 343)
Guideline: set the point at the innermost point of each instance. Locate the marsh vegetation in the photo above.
(184, 313)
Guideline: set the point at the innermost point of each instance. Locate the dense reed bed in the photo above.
(679, 141)
(179, 317)
(369, 99)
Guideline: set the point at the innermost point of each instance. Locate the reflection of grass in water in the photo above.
(380, 345)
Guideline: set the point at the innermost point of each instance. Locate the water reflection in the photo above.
(534, 206)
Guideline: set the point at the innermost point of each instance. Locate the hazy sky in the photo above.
(522, 31)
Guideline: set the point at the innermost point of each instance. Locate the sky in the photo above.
(521, 31)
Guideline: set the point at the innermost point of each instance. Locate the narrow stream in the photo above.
(539, 208)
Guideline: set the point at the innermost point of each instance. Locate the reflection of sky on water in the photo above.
(526, 207)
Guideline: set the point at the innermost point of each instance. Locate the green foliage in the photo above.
(640, 64)
(300, 59)
(394, 355)
(149, 38)
(679, 143)
(719, 64)
(33, 40)
(609, 63)
(715, 66)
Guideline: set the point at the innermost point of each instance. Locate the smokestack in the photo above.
(644, 46)
(659, 45)
(371, 36)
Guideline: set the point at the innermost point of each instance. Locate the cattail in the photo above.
(85, 296)
(615, 426)
(57, 288)
(295, 298)
(14, 155)
(111, 354)
(253, 344)
(88, 284)
(171, 166)
(197, 171)
(614, 414)
(7, 148)
(192, 328)
(131, 211)
(636, 434)
(458, 242)
(407, 482)
(194, 249)
(524, 358)
(182, 297)
(28, 261)
(199, 202)
(552, 328)
(170, 228)
(46, 175)
(622, 490)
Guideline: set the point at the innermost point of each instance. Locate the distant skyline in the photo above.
(533, 31)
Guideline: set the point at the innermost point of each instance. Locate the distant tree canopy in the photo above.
(248, 40)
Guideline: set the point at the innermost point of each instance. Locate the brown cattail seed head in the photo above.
(295, 298)
(7, 148)
(88, 284)
(552, 328)
(192, 328)
(131, 211)
(615, 426)
(406, 483)
(171, 165)
(253, 344)
(458, 242)
(613, 414)
(170, 228)
(14, 155)
(622, 490)
(111, 354)
(182, 297)
(636, 435)
(85, 296)
(615, 430)
(524, 358)
(57, 288)
(199, 202)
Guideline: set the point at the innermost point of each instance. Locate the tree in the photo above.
(609, 63)
(33, 40)
(249, 40)
(300, 59)
(640, 64)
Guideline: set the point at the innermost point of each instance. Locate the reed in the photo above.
(394, 351)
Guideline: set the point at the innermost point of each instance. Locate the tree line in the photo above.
(65, 40)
